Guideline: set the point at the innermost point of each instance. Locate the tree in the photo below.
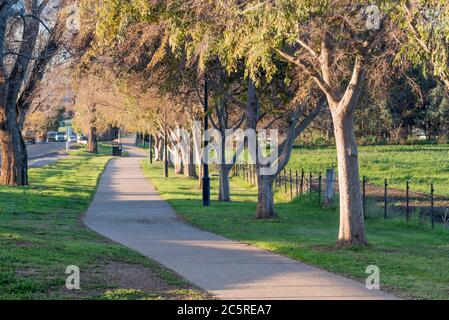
(425, 35)
(22, 66)
(437, 114)
(97, 106)
(188, 40)
(38, 122)
(329, 41)
(293, 123)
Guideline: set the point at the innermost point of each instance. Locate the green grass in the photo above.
(422, 164)
(41, 234)
(413, 260)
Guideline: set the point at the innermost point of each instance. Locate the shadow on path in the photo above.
(127, 209)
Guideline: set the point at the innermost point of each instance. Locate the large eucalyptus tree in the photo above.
(338, 45)
(30, 36)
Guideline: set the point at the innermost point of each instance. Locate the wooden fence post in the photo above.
(432, 205)
(385, 199)
(329, 193)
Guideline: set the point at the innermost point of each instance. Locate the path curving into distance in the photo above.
(128, 210)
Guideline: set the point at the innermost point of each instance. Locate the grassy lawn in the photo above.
(41, 234)
(413, 260)
(422, 164)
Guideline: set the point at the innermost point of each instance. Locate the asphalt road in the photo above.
(41, 154)
(42, 149)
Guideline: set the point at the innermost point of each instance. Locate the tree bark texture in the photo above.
(352, 227)
(92, 140)
(265, 198)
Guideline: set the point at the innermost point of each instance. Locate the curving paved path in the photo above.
(128, 210)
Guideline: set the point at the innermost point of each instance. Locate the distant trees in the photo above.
(426, 35)
(40, 123)
(437, 114)
(97, 107)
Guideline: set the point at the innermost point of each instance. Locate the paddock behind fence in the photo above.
(379, 201)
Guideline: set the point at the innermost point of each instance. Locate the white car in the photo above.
(61, 137)
(82, 139)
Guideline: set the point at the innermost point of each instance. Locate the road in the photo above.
(42, 149)
(42, 154)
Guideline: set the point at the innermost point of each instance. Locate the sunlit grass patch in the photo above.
(413, 259)
(41, 234)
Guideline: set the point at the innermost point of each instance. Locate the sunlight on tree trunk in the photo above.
(224, 192)
(352, 227)
(92, 143)
(14, 158)
(189, 165)
(265, 200)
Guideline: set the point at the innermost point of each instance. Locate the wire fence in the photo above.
(379, 201)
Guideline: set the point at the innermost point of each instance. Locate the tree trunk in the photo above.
(189, 165)
(150, 148)
(14, 158)
(352, 227)
(92, 143)
(224, 194)
(200, 175)
(265, 202)
(158, 151)
(177, 161)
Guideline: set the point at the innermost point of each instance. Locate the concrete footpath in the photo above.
(128, 210)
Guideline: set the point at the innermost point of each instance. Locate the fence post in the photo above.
(254, 175)
(285, 181)
(279, 181)
(297, 188)
(364, 195)
(385, 199)
(301, 188)
(250, 174)
(329, 193)
(320, 177)
(291, 185)
(407, 209)
(256, 180)
(432, 206)
(310, 183)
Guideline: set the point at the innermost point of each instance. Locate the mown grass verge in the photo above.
(413, 260)
(41, 233)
